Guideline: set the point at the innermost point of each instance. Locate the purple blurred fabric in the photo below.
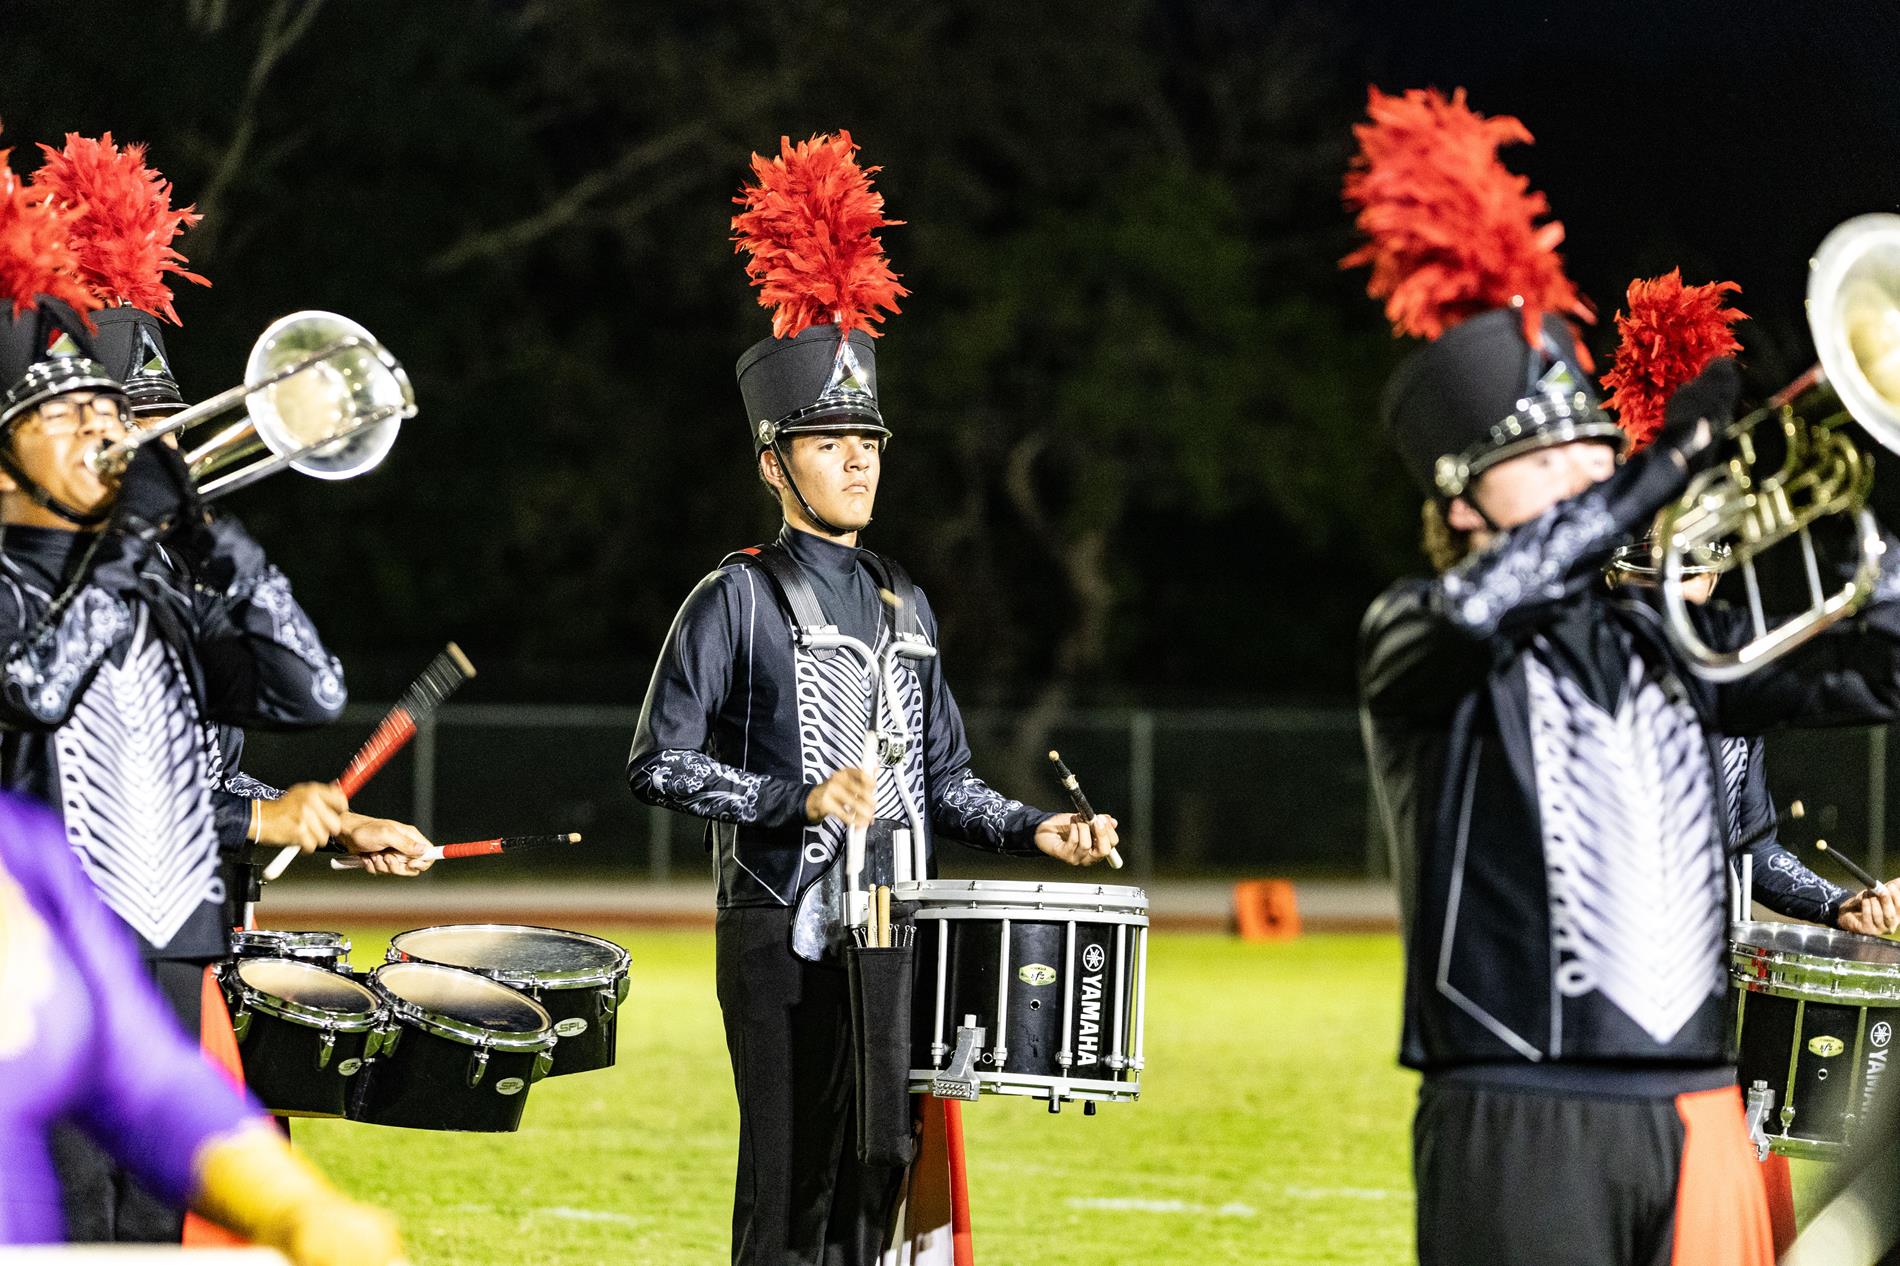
(84, 1037)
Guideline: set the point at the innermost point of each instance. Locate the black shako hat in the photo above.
(1480, 393)
(46, 351)
(813, 381)
(131, 346)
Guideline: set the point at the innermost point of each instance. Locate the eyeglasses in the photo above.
(64, 415)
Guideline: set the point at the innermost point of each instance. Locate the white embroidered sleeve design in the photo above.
(45, 672)
(1528, 564)
(132, 791)
(695, 783)
(1635, 875)
(291, 629)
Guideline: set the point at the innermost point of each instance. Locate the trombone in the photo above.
(320, 395)
(1745, 507)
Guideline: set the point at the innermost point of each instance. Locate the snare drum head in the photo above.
(462, 996)
(548, 956)
(1817, 942)
(306, 986)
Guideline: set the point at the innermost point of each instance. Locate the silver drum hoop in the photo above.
(1792, 961)
(1017, 899)
(1036, 1086)
(256, 998)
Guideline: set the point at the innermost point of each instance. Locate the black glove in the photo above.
(1698, 416)
(156, 495)
(221, 553)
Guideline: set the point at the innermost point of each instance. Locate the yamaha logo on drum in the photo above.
(1880, 1034)
(1088, 1033)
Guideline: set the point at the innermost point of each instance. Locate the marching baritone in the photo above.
(762, 734)
(1544, 764)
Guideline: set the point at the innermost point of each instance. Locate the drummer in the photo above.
(720, 737)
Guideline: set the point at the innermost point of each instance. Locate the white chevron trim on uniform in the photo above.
(1635, 877)
(132, 790)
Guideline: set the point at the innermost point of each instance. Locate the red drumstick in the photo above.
(474, 848)
(444, 675)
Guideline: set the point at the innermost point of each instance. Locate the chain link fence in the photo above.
(1203, 792)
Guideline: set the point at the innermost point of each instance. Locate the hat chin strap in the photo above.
(818, 520)
(40, 496)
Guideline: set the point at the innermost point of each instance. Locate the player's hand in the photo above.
(385, 847)
(1871, 911)
(306, 815)
(1077, 843)
(848, 795)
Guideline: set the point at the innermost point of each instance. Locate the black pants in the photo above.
(1508, 1176)
(103, 1202)
(800, 1195)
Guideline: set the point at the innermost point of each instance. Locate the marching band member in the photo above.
(89, 1041)
(1545, 766)
(122, 237)
(744, 726)
(129, 619)
(1667, 333)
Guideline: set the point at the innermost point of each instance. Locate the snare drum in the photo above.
(305, 1033)
(1816, 1013)
(1028, 989)
(326, 949)
(461, 1055)
(580, 979)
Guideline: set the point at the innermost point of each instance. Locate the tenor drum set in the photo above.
(449, 1034)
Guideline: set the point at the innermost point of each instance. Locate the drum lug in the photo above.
(478, 1066)
(327, 1048)
(241, 1022)
(620, 990)
(543, 1065)
(1761, 1101)
(607, 1001)
(386, 1040)
(959, 1080)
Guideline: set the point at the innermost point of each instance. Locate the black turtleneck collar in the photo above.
(818, 553)
(49, 545)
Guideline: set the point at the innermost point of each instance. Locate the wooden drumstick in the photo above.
(1084, 812)
(1848, 864)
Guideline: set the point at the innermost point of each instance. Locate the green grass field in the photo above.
(1273, 1127)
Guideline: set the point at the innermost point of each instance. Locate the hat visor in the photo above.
(1563, 431)
(80, 380)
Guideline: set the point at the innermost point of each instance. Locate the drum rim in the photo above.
(1121, 897)
(456, 1030)
(1841, 980)
(290, 936)
(579, 978)
(251, 997)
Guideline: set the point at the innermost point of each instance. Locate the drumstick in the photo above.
(1795, 813)
(444, 674)
(883, 916)
(470, 848)
(1083, 810)
(1848, 864)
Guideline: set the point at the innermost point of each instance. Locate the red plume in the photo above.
(1669, 335)
(1452, 232)
(36, 254)
(125, 225)
(810, 224)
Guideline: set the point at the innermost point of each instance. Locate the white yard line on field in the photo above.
(1233, 1208)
